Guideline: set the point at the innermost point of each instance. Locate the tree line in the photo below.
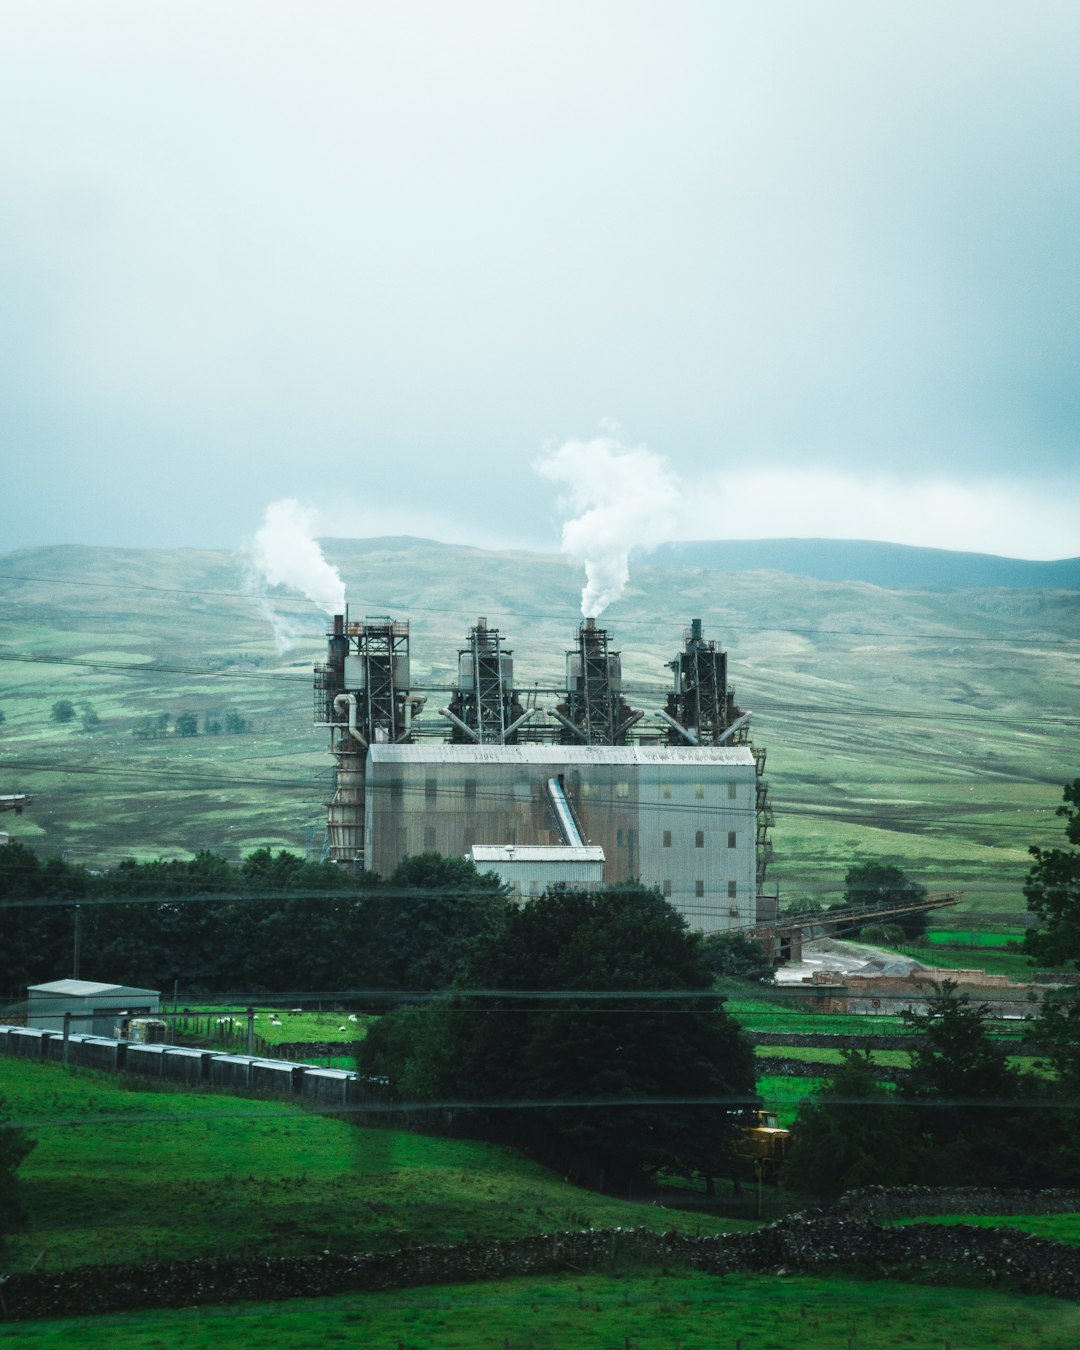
(271, 924)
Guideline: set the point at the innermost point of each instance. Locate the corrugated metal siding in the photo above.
(449, 798)
(96, 1012)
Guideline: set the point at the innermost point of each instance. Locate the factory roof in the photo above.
(536, 853)
(439, 752)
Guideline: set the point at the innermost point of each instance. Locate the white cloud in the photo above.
(1012, 518)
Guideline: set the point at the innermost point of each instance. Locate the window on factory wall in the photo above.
(431, 787)
(618, 838)
(667, 888)
(732, 890)
(731, 838)
(667, 838)
(699, 889)
(468, 789)
(699, 791)
(429, 836)
(586, 789)
(622, 789)
(699, 839)
(732, 791)
(666, 790)
(397, 787)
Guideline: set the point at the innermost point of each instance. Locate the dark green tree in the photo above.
(731, 956)
(187, 724)
(591, 1021)
(879, 885)
(853, 1132)
(15, 1147)
(37, 907)
(974, 1108)
(1052, 891)
(420, 928)
(1057, 1034)
(63, 710)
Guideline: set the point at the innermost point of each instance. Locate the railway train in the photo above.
(327, 1088)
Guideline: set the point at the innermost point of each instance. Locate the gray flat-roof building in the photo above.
(671, 793)
(95, 1009)
(529, 869)
(680, 819)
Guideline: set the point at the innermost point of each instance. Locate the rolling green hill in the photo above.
(933, 728)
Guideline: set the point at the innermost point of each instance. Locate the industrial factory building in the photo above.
(564, 784)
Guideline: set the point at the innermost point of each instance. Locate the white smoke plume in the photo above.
(285, 553)
(620, 498)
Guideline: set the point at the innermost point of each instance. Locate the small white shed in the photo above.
(529, 869)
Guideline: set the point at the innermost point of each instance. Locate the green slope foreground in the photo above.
(121, 1173)
(672, 1312)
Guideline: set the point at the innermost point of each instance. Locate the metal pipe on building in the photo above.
(350, 700)
(683, 731)
(469, 731)
(739, 722)
(579, 732)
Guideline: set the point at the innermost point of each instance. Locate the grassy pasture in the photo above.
(123, 1172)
(955, 937)
(650, 1311)
(305, 1027)
(993, 960)
(1056, 1227)
(762, 1013)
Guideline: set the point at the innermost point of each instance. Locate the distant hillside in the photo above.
(889, 565)
(930, 725)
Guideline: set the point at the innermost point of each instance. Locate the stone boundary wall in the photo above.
(301, 1050)
(906, 1202)
(800, 1243)
(779, 1067)
(871, 1041)
(837, 1040)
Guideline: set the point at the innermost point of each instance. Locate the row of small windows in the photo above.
(468, 789)
(699, 839)
(666, 790)
(699, 889)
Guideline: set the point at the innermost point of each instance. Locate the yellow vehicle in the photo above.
(764, 1145)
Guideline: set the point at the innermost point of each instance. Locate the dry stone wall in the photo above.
(805, 1243)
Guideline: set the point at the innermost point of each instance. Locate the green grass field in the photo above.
(308, 1027)
(669, 1311)
(124, 1173)
(973, 937)
(1056, 1227)
(994, 960)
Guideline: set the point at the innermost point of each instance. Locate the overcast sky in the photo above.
(822, 256)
